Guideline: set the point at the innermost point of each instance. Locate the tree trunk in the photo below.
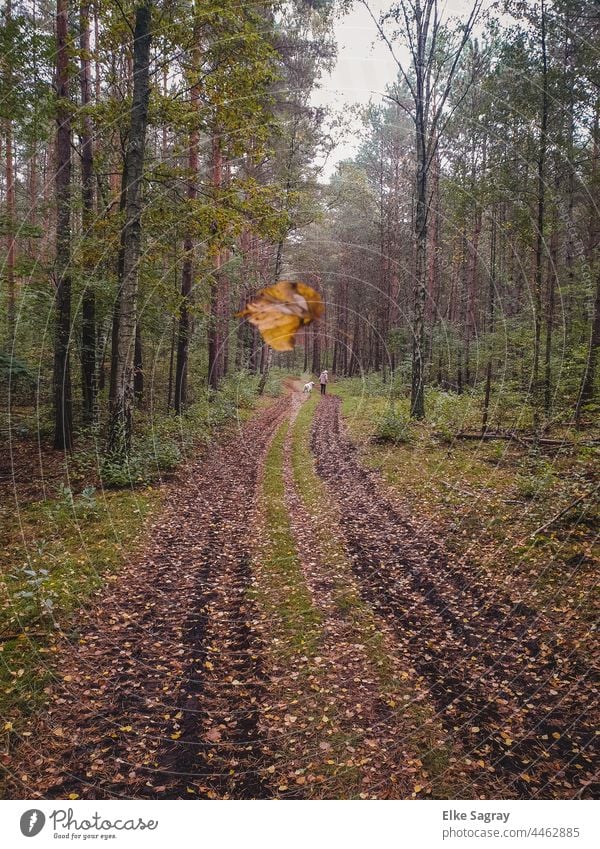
(551, 287)
(187, 274)
(10, 210)
(492, 303)
(316, 350)
(63, 415)
(214, 327)
(171, 364)
(88, 307)
(541, 214)
(121, 412)
(138, 367)
(417, 395)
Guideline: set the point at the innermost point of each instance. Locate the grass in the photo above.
(54, 555)
(393, 690)
(488, 499)
(284, 593)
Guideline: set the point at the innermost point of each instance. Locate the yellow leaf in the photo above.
(73, 795)
(280, 310)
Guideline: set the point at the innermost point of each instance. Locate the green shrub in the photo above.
(394, 427)
(450, 413)
(119, 474)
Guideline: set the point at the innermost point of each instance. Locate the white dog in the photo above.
(308, 387)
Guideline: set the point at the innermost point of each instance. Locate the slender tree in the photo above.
(434, 60)
(63, 415)
(88, 319)
(121, 412)
(187, 274)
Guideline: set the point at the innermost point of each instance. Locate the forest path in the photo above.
(150, 692)
(290, 631)
(520, 703)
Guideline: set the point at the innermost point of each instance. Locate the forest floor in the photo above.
(295, 627)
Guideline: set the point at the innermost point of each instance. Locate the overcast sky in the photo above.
(364, 66)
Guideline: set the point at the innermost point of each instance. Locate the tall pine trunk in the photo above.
(10, 210)
(187, 274)
(541, 218)
(588, 380)
(63, 415)
(88, 324)
(122, 401)
(417, 395)
(214, 340)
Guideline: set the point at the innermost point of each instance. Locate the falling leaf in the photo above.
(280, 310)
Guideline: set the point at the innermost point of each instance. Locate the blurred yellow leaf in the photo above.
(280, 310)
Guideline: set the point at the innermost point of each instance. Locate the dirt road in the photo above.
(406, 674)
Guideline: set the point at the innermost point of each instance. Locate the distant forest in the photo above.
(162, 162)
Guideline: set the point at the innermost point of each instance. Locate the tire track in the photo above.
(160, 696)
(520, 701)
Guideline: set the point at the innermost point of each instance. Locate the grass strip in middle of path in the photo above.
(431, 763)
(318, 503)
(284, 594)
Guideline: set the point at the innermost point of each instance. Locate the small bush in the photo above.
(118, 474)
(450, 413)
(393, 427)
(165, 455)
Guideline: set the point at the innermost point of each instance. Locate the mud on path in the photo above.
(159, 695)
(519, 702)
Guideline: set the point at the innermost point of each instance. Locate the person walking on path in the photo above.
(324, 380)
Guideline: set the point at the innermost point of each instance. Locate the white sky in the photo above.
(364, 67)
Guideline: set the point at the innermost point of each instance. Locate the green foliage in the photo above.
(449, 413)
(394, 427)
(13, 370)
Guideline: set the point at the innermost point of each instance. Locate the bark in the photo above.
(541, 217)
(116, 306)
(417, 396)
(138, 367)
(550, 300)
(316, 351)
(492, 303)
(10, 212)
(588, 380)
(171, 364)
(88, 325)
(63, 416)
(586, 394)
(187, 273)
(121, 412)
(10, 236)
(214, 341)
